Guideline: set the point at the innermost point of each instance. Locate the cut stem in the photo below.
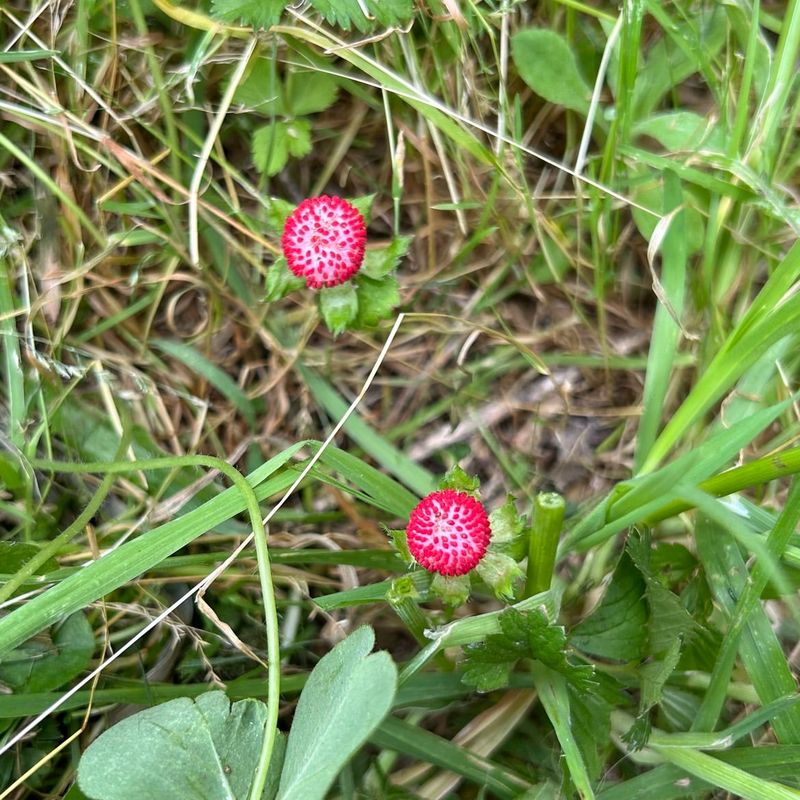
(548, 517)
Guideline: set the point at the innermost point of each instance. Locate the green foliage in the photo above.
(346, 697)
(281, 280)
(343, 13)
(339, 306)
(524, 635)
(547, 64)
(617, 628)
(41, 666)
(376, 300)
(273, 144)
(205, 749)
(258, 13)
(458, 480)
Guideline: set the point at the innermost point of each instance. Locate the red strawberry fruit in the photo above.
(448, 532)
(324, 240)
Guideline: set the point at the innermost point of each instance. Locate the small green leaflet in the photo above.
(525, 634)
(273, 144)
(339, 306)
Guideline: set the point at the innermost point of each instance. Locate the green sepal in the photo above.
(379, 263)
(278, 211)
(500, 572)
(363, 205)
(281, 281)
(508, 531)
(400, 542)
(338, 306)
(376, 299)
(452, 589)
(457, 479)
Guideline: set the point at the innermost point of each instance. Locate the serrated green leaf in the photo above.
(310, 92)
(270, 148)
(547, 64)
(348, 13)
(500, 573)
(281, 280)
(526, 634)
(487, 677)
(617, 628)
(344, 13)
(668, 619)
(261, 92)
(338, 306)
(298, 137)
(376, 299)
(257, 13)
(378, 263)
(196, 750)
(273, 144)
(391, 12)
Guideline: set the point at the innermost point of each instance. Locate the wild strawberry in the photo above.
(448, 532)
(323, 241)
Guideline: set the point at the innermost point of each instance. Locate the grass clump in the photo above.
(577, 302)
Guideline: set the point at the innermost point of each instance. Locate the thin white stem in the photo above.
(208, 146)
(580, 161)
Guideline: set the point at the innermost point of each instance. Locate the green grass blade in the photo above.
(666, 327)
(137, 556)
(217, 377)
(387, 455)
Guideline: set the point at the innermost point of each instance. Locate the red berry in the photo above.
(323, 241)
(448, 532)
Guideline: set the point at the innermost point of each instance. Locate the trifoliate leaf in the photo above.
(204, 749)
(378, 263)
(338, 306)
(376, 299)
(281, 280)
(256, 13)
